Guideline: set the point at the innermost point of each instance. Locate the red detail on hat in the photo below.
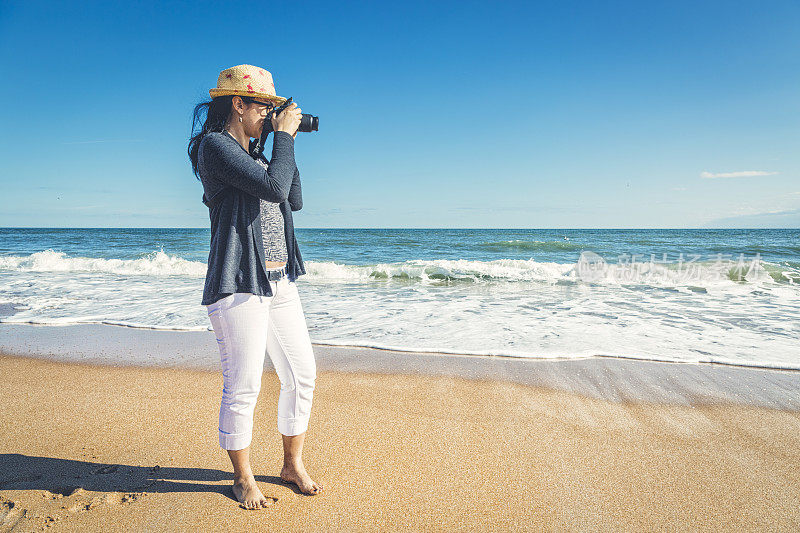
(245, 76)
(250, 88)
(262, 72)
(229, 76)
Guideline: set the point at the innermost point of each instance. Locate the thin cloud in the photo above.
(740, 174)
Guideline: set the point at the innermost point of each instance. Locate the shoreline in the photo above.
(766, 366)
(616, 379)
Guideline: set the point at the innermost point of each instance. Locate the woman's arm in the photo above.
(295, 192)
(230, 164)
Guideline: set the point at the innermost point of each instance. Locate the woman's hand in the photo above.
(288, 120)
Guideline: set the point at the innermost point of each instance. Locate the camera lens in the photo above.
(308, 123)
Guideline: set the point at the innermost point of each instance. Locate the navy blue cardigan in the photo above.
(233, 182)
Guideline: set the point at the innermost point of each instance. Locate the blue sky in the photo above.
(443, 114)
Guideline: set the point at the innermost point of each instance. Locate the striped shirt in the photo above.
(272, 231)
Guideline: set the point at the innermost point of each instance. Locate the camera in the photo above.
(307, 123)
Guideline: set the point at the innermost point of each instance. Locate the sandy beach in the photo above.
(91, 447)
(542, 274)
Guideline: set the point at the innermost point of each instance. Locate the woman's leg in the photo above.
(289, 348)
(244, 483)
(240, 323)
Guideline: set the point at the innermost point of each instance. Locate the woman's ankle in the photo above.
(295, 463)
(243, 474)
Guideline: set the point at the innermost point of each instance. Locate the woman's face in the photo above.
(253, 115)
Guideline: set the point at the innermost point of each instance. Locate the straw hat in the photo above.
(246, 80)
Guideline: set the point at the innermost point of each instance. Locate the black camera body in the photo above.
(307, 123)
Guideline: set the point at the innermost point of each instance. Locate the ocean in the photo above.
(700, 295)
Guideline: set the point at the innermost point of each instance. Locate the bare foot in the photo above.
(297, 474)
(248, 493)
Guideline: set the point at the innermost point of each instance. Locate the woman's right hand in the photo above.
(288, 120)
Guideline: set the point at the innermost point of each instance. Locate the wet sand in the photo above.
(596, 444)
(609, 378)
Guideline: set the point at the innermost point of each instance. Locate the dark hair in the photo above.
(217, 111)
(216, 115)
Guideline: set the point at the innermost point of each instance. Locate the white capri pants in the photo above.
(247, 326)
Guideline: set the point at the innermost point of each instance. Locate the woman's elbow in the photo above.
(274, 192)
(295, 199)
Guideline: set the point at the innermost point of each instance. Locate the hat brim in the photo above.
(261, 96)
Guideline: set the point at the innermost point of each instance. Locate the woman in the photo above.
(250, 292)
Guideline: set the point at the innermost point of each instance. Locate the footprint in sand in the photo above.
(15, 517)
(38, 508)
(10, 514)
(107, 469)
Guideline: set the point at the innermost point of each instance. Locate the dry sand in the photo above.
(101, 448)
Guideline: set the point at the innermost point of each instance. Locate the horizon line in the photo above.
(417, 228)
